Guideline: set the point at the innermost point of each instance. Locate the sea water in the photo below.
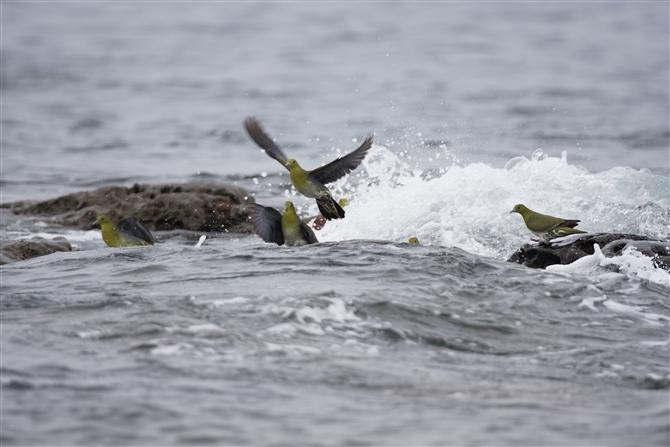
(363, 338)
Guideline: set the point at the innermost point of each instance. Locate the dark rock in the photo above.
(32, 248)
(567, 250)
(193, 207)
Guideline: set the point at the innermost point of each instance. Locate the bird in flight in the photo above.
(311, 183)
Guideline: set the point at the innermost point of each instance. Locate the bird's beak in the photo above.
(288, 163)
(512, 212)
(96, 223)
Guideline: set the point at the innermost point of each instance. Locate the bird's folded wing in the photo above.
(542, 222)
(340, 167)
(308, 233)
(266, 222)
(572, 223)
(262, 139)
(131, 226)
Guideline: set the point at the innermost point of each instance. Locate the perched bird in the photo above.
(128, 233)
(546, 227)
(414, 241)
(311, 183)
(319, 220)
(287, 229)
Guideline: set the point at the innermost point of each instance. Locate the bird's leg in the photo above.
(319, 222)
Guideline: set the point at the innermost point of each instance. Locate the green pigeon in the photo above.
(414, 240)
(546, 227)
(287, 229)
(311, 183)
(129, 232)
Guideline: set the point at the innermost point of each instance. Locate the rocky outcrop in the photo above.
(569, 249)
(193, 207)
(32, 248)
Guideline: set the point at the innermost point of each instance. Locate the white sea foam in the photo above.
(293, 350)
(206, 330)
(591, 302)
(283, 330)
(469, 206)
(634, 310)
(655, 342)
(73, 236)
(594, 302)
(174, 349)
(218, 302)
(291, 329)
(336, 311)
(631, 262)
(94, 334)
(311, 319)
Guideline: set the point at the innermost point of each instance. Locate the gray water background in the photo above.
(157, 91)
(240, 342)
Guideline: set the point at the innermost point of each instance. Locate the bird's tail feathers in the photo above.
(329, 208)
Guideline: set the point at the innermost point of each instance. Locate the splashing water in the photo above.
(469, 206)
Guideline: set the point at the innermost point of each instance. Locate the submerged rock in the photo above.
(569, 249)
(32, 248)
(193, 207)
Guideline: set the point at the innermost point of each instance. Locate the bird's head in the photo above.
(291, 163)
(343, 202)
(288, 206)
(521, 209)
(102, 221)
(414, 240)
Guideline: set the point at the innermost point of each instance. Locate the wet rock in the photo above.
(569, 249)
(32, 248)
(193, 207)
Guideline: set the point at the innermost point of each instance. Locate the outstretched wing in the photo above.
(262, 139)
(266, 222)
(340, 167)
(133, 227)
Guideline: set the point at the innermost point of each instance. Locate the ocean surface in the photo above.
(362, 339)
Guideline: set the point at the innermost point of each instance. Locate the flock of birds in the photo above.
(288, 228)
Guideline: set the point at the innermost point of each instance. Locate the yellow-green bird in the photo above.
(546, 227)
(129, 232)
(414, 240)
(311, 183)
(287, 229)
